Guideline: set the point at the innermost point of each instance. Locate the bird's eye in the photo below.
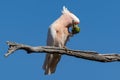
(73, 21)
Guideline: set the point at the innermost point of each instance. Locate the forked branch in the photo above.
(89, 55)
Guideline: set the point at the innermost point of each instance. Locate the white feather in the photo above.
(66, 11)
(51, 36)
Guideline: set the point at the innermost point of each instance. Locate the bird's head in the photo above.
(72, 20)
(71, 16)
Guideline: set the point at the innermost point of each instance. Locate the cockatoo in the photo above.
(58, 35)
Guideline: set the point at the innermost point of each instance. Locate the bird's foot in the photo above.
(66, 49)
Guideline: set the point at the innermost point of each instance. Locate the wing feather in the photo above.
(51, 36)
(50, 42)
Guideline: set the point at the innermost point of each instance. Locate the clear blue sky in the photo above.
(27, 21)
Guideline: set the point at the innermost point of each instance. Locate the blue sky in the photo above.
(27, 21)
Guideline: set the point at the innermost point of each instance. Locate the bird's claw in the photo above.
(66, 49)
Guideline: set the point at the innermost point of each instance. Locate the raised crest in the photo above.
(66, 11)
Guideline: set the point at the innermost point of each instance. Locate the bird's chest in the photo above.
(62, 35)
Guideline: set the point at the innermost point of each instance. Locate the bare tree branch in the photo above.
(89, 55)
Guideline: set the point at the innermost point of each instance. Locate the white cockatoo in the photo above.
(58, 35)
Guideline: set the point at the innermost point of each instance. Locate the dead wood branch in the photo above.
(89, 55)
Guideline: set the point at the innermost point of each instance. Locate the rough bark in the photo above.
(89, 55)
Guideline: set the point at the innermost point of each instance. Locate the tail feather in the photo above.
(51, 62)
